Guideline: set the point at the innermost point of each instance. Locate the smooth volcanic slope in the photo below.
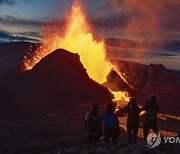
(58, 81)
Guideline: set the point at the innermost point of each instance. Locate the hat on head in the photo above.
(94, 106)
(153, 97)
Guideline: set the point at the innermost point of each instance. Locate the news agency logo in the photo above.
(154, 139)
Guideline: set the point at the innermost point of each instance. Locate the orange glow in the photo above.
(121, 96)
(77, 39)
(142, 113)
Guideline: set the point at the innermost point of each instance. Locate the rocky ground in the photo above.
(123, 148)
(63, 132)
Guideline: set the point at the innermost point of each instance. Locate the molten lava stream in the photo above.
(77, 39)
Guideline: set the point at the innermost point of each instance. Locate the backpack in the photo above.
(91, 122)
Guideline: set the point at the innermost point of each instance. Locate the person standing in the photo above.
(152, 108)
(133, 111)
(111, 125)
(93, 124)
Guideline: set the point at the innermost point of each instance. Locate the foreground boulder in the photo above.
(58, 81)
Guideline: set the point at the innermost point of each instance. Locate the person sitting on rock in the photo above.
(111, 125)
(133, 111)
(152, 108)
(93, 124)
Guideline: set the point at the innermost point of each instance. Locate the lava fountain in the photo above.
(77, 38)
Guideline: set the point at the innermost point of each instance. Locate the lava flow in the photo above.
(77, 39)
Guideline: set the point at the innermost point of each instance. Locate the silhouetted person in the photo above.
(133, 111)
(111, 125)
(93, 124)
(152, 108)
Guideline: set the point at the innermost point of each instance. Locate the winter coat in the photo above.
(152, 108)
(133, 116)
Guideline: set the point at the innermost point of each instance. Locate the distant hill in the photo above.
(11, 56)
(148, 79)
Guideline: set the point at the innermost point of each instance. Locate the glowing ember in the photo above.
(77, 39)
(142, 113)
(121, 96)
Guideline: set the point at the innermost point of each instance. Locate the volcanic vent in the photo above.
(77, 38)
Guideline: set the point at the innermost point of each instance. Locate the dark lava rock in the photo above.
(116, 83)
(58, 81)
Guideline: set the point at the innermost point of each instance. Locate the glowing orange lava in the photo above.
(77, 39)
(120, 95)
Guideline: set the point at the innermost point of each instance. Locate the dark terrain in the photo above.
(152, 79)
(53, 83)
(42, 110)
(11, 56)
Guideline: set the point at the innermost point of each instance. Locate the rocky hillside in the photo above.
(55, 82)
(144, 80)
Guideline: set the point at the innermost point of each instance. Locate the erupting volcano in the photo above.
(77, 38)
(63, 63)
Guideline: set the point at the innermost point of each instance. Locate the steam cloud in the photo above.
(148, 17)
(151, 20)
